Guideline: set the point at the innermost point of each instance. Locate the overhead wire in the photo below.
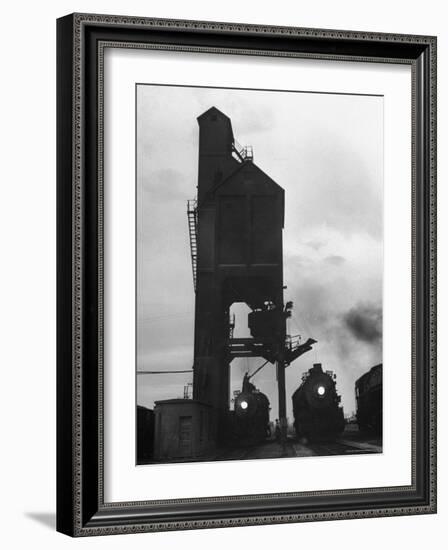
(163, 371)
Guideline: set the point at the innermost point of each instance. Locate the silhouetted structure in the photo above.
(145, 434)
(184, 429)
(369, 400)
(236, 228)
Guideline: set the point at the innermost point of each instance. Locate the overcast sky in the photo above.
(326, 151)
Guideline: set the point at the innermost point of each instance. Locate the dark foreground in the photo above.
(351, 442)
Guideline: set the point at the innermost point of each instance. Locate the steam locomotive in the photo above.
(317, 412)
(369, 400)
(249, 421)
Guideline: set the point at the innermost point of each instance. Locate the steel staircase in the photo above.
(192, 215)
(242, 153)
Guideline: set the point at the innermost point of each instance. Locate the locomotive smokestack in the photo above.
(317, 367)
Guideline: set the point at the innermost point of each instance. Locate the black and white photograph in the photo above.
(246, 254)
(259, 273)
(222, 240)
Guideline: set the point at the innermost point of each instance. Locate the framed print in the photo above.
(246, 274)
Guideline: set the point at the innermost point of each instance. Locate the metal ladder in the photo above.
(192, 215)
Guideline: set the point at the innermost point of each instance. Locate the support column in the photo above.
(282, 401)
(281, 374)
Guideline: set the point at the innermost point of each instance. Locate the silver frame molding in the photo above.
(82, 38)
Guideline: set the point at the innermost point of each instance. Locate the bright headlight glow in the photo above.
(321, 390)
(243, 405)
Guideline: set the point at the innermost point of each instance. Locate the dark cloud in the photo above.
(365, 322)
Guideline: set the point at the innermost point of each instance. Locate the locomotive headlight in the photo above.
(244, 405)
(321, 390)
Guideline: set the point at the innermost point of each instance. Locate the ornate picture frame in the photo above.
(81, 506)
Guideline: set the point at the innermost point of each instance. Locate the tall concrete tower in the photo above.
(237, 257)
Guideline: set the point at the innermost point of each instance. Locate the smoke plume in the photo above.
(365, 322)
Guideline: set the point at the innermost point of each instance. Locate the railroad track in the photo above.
(342, 447)
(293, 448)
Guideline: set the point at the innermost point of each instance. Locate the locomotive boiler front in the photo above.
(316, 408)
(251, 404)
(250, 418)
